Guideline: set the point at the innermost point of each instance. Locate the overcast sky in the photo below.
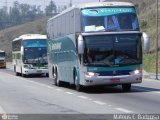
(43, 3)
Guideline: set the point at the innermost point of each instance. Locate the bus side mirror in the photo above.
(146, 40)
(80, 44)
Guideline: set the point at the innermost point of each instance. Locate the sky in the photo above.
(43, 3)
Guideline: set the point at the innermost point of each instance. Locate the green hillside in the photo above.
(7, 35)
(147, 17)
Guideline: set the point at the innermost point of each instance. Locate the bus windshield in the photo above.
(109, 19)
(2, 54)
(113, 50)
(35, 55)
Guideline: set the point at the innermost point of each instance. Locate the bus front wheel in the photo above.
(55, 77)
(77, 85)
(126, 87)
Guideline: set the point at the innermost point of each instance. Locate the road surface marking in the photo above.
(70, 93)
(84, 97)
(158, 92)
(123, 110)
(99, 102)
(109, 105)
(59, 90)
(50, 87)
(2, 111)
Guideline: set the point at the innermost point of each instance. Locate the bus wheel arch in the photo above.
(55, 76)
(53, 72)
(15, 70)
(76, 81)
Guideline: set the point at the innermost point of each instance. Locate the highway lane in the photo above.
(39, 95)
(23, 95)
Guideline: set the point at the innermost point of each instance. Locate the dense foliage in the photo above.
(21, 13)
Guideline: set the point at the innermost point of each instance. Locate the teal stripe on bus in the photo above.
(98, 69)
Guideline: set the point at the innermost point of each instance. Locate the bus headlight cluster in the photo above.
(91, 74)
(135, 72)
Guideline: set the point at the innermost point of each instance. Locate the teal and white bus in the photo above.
(96, 44)
(29, 54)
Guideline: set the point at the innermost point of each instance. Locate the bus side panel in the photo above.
(50, 64)
(65, 57)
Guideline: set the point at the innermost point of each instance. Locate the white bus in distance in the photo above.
(30, 54)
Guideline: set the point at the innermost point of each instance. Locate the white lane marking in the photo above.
(2, 111)
(158, 92)
(49, 87)
(109, 105)
(123, 110)
(99, 102)
(59, 90)
(70, 93)
(84, 97)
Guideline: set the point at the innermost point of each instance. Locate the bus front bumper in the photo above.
(112, 80)
(2, 65)
(35, 71)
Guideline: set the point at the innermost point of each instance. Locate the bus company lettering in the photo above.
(56, 46)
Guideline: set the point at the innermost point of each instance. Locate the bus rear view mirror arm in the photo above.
(80, 44)
(146, 40)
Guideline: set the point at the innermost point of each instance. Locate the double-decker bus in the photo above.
(2, 59)
(29, 54)
(96, 44)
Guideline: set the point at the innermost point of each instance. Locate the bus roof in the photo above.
(31, 36)
(104, 4)
(1, 51)
(94, 4)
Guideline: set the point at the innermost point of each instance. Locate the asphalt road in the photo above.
(38, 95)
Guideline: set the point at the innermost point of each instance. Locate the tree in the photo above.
(51, 8)
(15, 13)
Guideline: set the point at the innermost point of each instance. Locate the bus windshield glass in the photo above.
(2, 54)
(113, 50)
(109, 19)
(35, 55)
(35, 51)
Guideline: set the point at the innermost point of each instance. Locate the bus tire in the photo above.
(79, 87)
(14, 68)
(47, 74)
(57, 82)
(17, 74)
(126, 87)
(15, 71)
(23, 75)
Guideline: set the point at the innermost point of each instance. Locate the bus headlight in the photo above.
(91, 74)
(135, 72)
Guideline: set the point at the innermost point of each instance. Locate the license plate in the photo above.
(115, 80)
(39, 71)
